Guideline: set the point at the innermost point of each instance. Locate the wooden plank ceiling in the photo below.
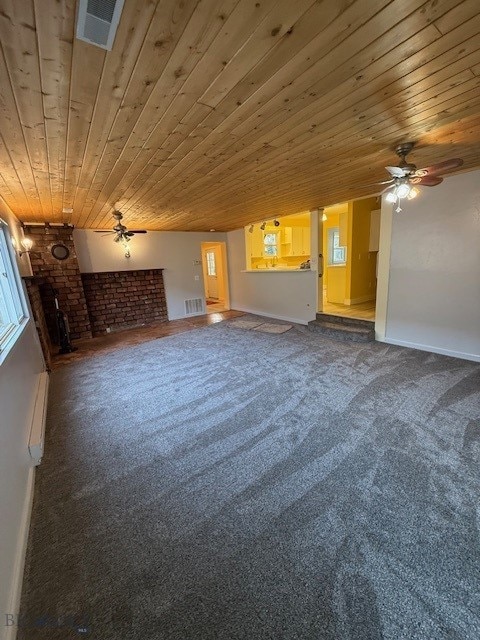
(216, 113)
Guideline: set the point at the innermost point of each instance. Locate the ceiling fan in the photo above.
(406, 176)
(122, 234)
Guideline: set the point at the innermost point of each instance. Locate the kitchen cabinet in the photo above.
(286, 235)
(300, 241)
(295, 241)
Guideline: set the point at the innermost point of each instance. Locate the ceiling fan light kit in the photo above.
(405, 176)
(122, 234)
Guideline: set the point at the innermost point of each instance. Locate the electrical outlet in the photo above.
(197, 277)
(108, 330)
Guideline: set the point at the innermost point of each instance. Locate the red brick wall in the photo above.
(122, 299)
(62, 275)
(39, 318)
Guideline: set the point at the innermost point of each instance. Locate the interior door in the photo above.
(212, 281)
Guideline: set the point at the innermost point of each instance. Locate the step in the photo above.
(326, 317)
(343, 331)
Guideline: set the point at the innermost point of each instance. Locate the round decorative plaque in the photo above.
(60, 251)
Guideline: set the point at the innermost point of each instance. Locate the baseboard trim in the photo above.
(425, 347)
(257, 312)
(20, 556)
(37, 430)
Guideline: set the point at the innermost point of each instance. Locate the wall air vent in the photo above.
(98, 20)
(193, 306)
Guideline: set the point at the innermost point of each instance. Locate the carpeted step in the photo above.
(343, 330)
(326, 317)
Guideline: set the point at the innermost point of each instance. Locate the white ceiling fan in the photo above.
(405, 176)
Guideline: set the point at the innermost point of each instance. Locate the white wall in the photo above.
(18, 385)
(173, 251)
(19, 375)
(434, 282)
(15, 230)
(288, 296)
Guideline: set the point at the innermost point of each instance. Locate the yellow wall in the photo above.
(334, 278)
(298, 220)
(361, 278)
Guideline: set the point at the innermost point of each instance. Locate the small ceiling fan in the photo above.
(406, 176)
(122, 234)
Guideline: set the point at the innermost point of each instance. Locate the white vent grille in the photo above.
(193, 306)
(98, 21)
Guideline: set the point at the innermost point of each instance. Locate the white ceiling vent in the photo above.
(98, 20)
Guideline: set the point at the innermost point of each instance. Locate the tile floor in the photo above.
(363, 311)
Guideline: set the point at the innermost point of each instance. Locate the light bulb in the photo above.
(413, 193)
(324, 217)
(391, 197)
(27, 243)
(403, 190)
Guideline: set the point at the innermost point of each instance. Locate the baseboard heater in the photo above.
(37, 431)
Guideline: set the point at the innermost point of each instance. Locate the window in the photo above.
(211, 266)
(270, 244)
(12, 306)
(337, 255)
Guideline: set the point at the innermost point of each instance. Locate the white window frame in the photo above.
(273, 245)
(211, 263)
(13, 306)
(332, 261)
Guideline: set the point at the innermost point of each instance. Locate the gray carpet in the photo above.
(224, 484)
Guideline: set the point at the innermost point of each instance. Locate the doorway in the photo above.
(349, 237)
(215, 279)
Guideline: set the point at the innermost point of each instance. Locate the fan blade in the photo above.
(426, 181)
(441, 167)
(396, 172)
(104, 231)
(136, 231)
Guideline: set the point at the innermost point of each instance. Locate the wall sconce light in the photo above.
(250, 230)
(276, 223)
(263, 225)
(324, 217)
(27, 244)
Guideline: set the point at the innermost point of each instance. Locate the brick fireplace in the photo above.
(61, 275)
(122, 299)
(95, 303)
